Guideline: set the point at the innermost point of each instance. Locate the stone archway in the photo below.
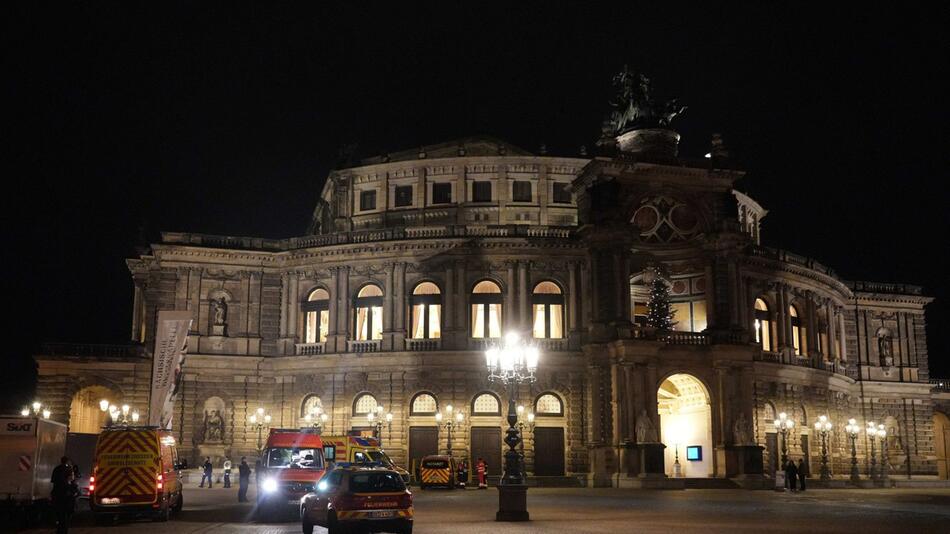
(685, 414)
(85, 416)
(942, 444)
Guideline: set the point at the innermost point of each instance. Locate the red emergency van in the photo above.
(292, 464)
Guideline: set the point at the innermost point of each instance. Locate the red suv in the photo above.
(371, 498)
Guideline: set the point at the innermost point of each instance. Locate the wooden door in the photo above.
(548, 452)
(771, 448)
(423, 441)
(486, 443)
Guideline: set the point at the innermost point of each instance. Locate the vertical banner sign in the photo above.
(171, 336)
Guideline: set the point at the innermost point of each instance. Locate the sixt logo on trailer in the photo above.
(17, 426)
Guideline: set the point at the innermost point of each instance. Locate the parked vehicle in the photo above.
(136, 473)
(437, 470)
(359, 496)
(30, 447)
(358, 449)
(292, 464)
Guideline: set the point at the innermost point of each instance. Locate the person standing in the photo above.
(791, 475)
(206, 470)
(802, 473)
(244, 479)
(482, 470)
(227, 472)
(63, 494)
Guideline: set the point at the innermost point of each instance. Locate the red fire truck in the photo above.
(292, 463)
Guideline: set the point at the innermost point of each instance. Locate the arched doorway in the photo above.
(942, 444)
(686, 425)
(85, 417)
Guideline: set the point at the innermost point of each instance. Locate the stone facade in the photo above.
(594, 226)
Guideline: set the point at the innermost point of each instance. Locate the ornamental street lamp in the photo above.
(315, 419)
(452, 422)
(872, 433)
(259, 420)
(119, 416)
(823, 427)
(513, 363)
(375, 419)
(852, 429)
(524, 421)
(38, 410)
(784, 424)
(882, 435)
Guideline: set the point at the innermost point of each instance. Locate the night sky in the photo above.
(124, 121)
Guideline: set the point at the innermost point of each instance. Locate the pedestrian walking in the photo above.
(802, 473)
(227, 472)
(462, 473)
(64, 494)
(206, 471)
(244, 479)
(482, 469)
(791, 475)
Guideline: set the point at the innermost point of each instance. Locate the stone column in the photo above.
(780, 308)
(710, 296)
(733, 274)
(461, 304)
(509, 314)
(399, 306)
(284, 291)
(814, 347)
(293, 303)
(137, 313)
(448, 303)
(388, 312)
(842, 343)
(831, 331)
(344, 300)
(523, 292)
(584, 298)
(333, 306)
(572, 299)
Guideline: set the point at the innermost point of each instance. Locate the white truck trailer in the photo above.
(30, 447)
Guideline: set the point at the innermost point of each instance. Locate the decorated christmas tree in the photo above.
(659, 312)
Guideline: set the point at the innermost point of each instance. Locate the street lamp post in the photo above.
(513, 363)
(452, 422)
(38, 410)
(316, 419)
(524, 421)
(852, 429)
(823, 427)
(259, 420)
(375, 419)
(119, 416)
(784, 424)
(872, 433)
(882, 434)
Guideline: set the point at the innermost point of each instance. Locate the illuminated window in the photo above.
(689, 316)
(316, 316)
(486, 310)
(364, 404)
(547, 303)
(763, 325)
(798, 331)
(549, 404)
(486, 404)
(311, 405)
(423, 404)
(426, 305)
(368, 313)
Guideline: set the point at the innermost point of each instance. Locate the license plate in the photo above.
(382, 514)
(293, 501)
(114, 500)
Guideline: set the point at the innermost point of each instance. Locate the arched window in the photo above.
(798, 332)
(486, 309)
(364, 404)
(486, 404)
(426, 303)
(547, 303)
(368, 313)
(548, 404)
(423, 404)
(316, 316)
(311, 405)
(763, 325)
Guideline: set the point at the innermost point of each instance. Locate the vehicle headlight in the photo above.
(322, 485)
(270, 485)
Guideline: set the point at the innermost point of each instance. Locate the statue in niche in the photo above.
(645, 429)
(742, 431)
(885, 348)
(213, 427)
(219, 311)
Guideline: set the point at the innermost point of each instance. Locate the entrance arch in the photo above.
(942, 444)
(686, 425)
(85, 417)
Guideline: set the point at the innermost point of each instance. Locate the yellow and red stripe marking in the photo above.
(435, 476)
(129, 463)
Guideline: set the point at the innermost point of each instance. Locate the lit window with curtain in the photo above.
(486, 310)
(763, 325)
(368, 312)
(547, 303)
(689, 316)
(426, 305)
(316, 316)
(798, 331)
